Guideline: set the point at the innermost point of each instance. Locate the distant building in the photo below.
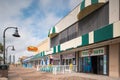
(39, 58)
(21, 59)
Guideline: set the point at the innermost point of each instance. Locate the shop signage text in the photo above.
(98, 51)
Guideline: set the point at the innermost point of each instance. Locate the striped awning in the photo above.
(52, 32)
(56, 49)
(39, 55)
(88, 6)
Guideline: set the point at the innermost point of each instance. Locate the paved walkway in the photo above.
(19, 73)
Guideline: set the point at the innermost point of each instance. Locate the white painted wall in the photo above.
(68, 20)
(116, 29)
(72, 43)
(114, 11)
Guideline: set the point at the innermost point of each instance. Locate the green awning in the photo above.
(88, 6)
(39, 55)
(52, 32)
(56, 49)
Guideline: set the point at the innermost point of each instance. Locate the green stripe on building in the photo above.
(85, 39)
(104, 33)
(43, 53)
(54, 49)
(59, 48)
(53, 30)
(94, 1)
(82, 5)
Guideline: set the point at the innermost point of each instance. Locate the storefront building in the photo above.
(40, 57)
(89, 37)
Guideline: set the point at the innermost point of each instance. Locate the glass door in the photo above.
(105, 72)
(100, 65)
(80, 64)
(87, 64)
(67, 62)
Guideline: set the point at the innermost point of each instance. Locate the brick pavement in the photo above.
(19, 73)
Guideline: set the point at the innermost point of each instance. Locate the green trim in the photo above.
(59, 48)
(43, 53)
(82, 5)
(53, 30)
(94, 1)
(104, 33)
(85, 39)
(54, 49)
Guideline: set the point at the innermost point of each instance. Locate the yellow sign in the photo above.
(32, 48)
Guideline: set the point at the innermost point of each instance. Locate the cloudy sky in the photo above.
(33, 19)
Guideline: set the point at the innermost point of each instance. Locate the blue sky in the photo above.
(33, 18)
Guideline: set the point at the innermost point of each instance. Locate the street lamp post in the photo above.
(10, 59)
(13, 59)
(15, 35)
(13, 49)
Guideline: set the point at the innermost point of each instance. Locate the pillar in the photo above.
(114, 63)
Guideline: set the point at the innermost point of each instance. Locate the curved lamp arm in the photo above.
(15, 35)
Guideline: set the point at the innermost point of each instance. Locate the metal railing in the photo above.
(55, 69)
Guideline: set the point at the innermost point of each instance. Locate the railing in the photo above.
(55, 69)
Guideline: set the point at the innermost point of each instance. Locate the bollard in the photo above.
(37, 67)
(4, 70)
(54, 70)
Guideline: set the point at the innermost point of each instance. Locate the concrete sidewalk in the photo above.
(12, 74)
(3, 78)
(19, 73)
(92, 76)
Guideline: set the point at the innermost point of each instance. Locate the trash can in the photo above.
(4, 70)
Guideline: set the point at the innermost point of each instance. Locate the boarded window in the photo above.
(97, 19)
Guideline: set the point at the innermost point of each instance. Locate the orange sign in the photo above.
(32, 48)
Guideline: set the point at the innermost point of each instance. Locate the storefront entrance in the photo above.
(67, 59)
(96, 64)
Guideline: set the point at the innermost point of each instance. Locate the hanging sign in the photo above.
(32, 48)
(85, 53)
(93, 52)
(56, 57)
(68, 56)
(99, 51)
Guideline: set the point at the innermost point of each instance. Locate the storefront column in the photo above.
(119, 60)
(61, 62)
(77, 60)
(114, 60)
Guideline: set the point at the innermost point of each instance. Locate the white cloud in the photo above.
(45, 24)
(10, 12)
(32, 29)
(11, 8)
